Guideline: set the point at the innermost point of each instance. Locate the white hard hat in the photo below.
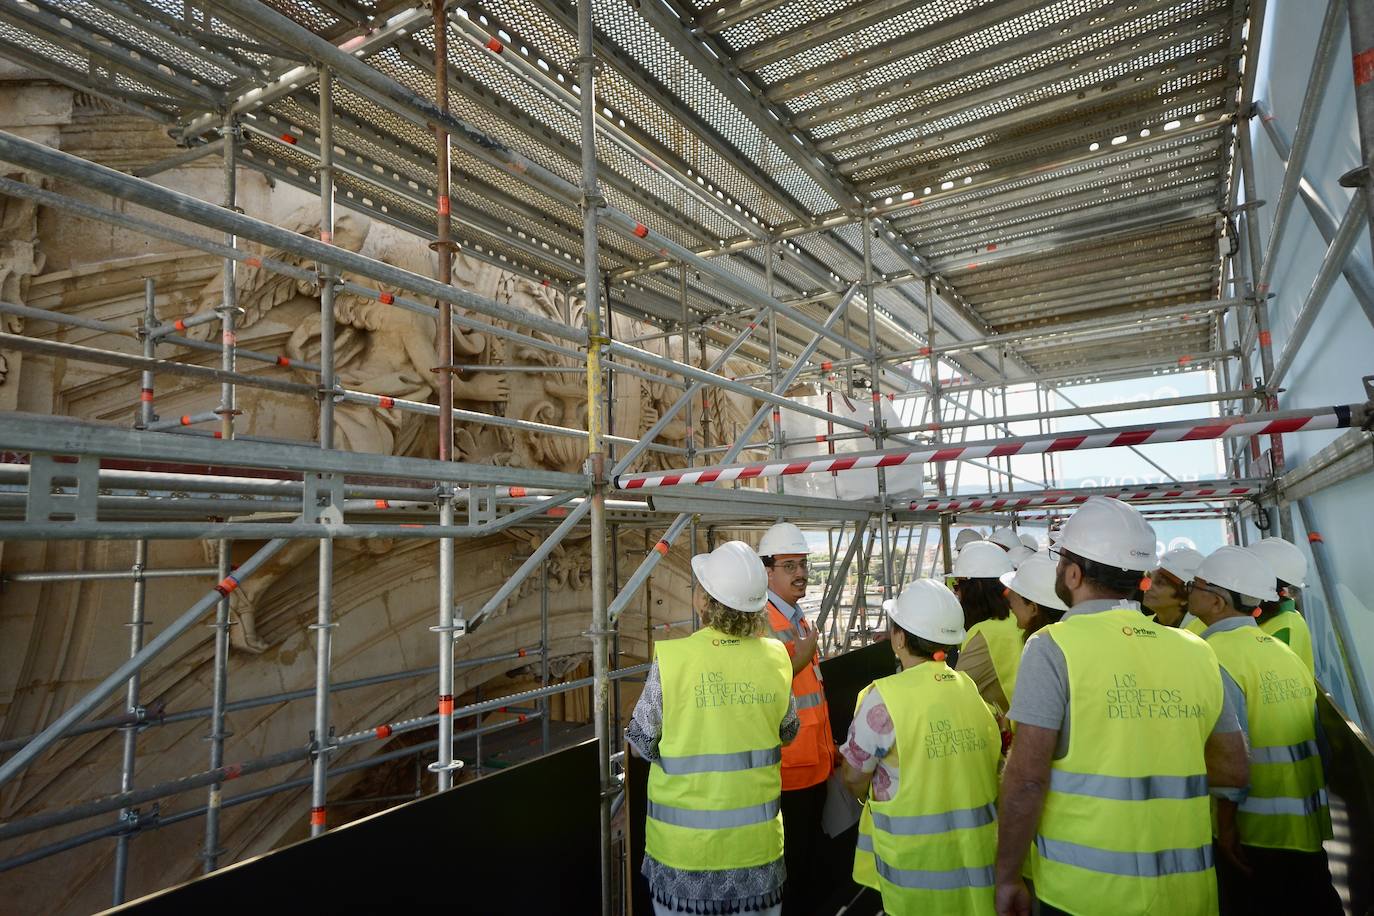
(733, 575)
(1284, 558)
(782, 539)
(1029, 540)
(1019, 554)
(982, 560)
(1182, 562)
(1110, 532)
(928, 609)
(1239, 570)
(1005, 538)
(1034, 581)
(966, 537)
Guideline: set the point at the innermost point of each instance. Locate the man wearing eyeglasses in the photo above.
(809, 760)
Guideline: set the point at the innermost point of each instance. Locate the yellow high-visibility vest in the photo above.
(935, 841)
(1287, 805)
(715, 793)
(1005, 643)
(1126, 826)
(1289, 627)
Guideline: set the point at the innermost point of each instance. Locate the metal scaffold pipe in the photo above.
(593, 205)
(1286, 421)
(125, 187)
(228, 311)
(490, 150)
(324, 606)
(88, 703)
(1362, 50)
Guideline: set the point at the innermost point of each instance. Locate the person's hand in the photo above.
(1013, 899)
(806, 646)
(1228, 842)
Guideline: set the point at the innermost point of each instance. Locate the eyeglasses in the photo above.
(792, 566)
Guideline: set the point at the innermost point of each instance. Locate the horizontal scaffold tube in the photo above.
(1284, 421)
(79, 171)
(485, 148)
(1175, 493)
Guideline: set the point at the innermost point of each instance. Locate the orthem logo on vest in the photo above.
(725, 642)
(1139, 631)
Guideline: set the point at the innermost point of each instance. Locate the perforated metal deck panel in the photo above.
(1043, 161)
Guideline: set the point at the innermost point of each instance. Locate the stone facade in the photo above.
(58, 640)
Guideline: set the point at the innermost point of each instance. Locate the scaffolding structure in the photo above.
(894, 199)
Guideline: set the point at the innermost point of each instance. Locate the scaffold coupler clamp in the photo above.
(319, 748)
(451, 767)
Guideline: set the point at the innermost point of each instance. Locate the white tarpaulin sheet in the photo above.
(901, 481)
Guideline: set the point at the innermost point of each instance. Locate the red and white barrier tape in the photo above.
(1288, 421)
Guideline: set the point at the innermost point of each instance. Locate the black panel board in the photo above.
(1352, 780)
(522, 840)
(845, 675)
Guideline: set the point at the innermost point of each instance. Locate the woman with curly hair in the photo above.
(715, 712)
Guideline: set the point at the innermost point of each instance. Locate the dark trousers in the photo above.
(1281, 881)
(803, 840)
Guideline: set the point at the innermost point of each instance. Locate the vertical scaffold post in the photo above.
(687, 413)
(1362, 51)
(776, 425)
(129, 816)
(876, 399)
(321, 740)
(1261, 306)
(444, 764)
(544, 654)
(945, 550)
(228, 312)
(596, 458)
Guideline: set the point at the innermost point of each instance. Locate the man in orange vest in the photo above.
(809, 760)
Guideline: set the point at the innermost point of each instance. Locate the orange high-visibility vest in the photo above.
(809, 759)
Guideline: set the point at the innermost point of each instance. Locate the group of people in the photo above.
(1082, 729)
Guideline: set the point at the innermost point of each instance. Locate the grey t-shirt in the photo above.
(1042, 683)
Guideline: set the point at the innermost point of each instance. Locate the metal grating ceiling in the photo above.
(1045, 161)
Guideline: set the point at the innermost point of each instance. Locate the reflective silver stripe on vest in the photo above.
(787, 635)
(808, 700)
(1301, 807)
(1292, 753)
(720, 763)
(926, 824)
(865, 842)
(919, 879)
(1131, 864)
(715, 820)
(1128, 788)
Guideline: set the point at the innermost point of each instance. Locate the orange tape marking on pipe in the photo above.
(1364, 67)
(662, 547)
